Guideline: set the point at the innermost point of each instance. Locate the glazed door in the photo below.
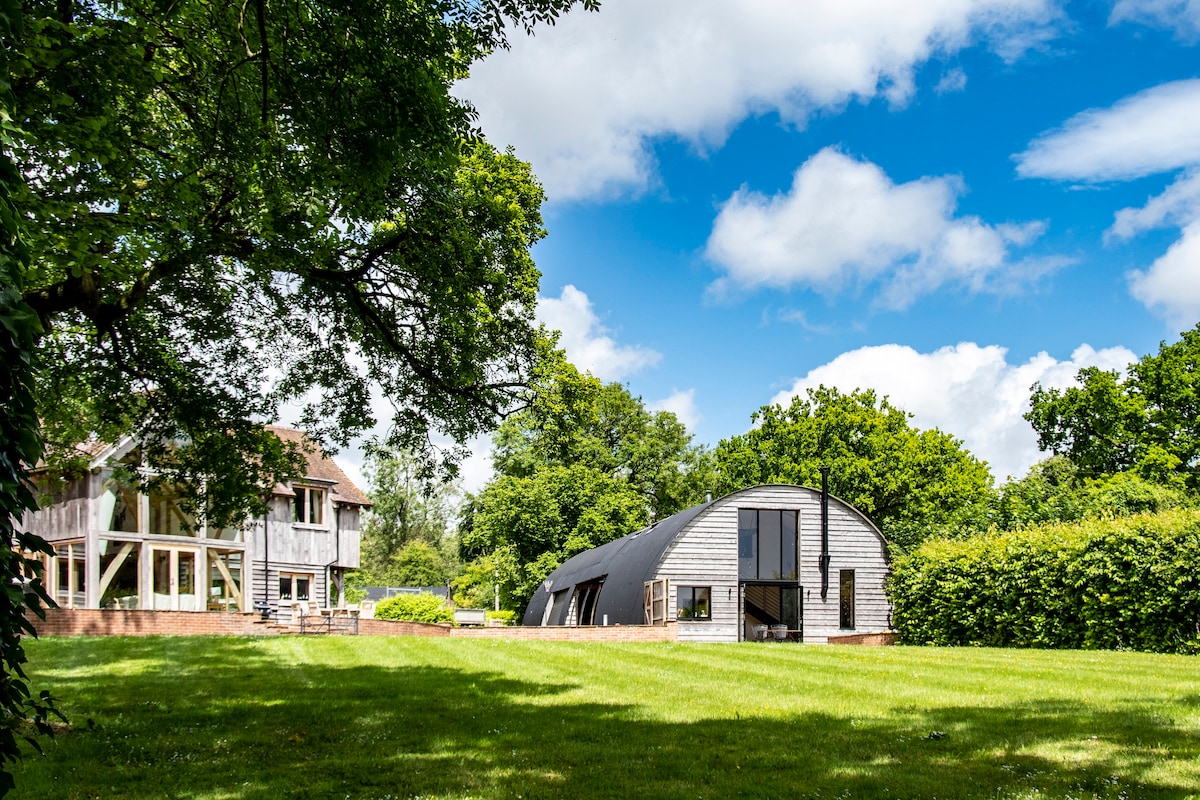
(174, 578)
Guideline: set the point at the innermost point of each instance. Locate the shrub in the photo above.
(504, 616)
(423, 607)
(1132, 582)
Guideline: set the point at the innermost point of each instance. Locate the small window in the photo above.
(694, 602)
(846, 599)
(309, 506)
(294, 586)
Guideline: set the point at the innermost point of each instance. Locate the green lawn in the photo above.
(352, 717)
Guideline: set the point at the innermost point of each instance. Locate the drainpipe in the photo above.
(824, 532)
(266, 558)
(337, 555)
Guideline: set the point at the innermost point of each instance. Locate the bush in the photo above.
(1128, 583)
(504, 616)
(423, 607)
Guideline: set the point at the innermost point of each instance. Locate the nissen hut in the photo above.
(768, 562)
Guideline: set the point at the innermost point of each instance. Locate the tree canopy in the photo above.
(586, 463)
(404, 535)
(236, 206)
(1147, 421)
(908, 481)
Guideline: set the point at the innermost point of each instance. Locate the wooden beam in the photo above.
(234, 589)
(111, 572)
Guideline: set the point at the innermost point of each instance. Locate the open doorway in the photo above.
(771, 611)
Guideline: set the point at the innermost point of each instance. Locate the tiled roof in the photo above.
(320, 467)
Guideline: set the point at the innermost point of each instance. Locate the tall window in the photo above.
(766, 544)
(309, 505)
(693, 602)
(846, 599)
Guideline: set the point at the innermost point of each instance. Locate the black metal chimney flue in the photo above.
(824, 532)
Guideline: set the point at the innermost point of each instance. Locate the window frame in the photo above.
(293, 587)
(785, 553)
(846, 603)
(692, 592)
(309, 494)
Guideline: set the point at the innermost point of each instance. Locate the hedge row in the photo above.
(422, 607)
(1130, 583)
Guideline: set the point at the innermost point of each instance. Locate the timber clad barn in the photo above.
(116, 548)
(768, 562)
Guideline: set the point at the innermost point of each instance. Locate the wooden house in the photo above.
(118, 548)
(767, 562)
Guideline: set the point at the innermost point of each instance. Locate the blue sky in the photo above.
(940, 199)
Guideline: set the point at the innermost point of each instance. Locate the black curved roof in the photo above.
(625, 563)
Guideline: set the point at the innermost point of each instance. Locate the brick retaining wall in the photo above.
(871, 639)
(91, 622)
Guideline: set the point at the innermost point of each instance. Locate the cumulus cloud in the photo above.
(1155, 130)
(683, 405)
(969, 391)
(584, 99)
(1182, 16)
(588, 344)
(844, 221)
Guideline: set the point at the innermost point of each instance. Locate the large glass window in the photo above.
(693, 602)
(67, 575)
(225, 581)
(167, 514)
(309, 505)
(120, 584)
(766, 544)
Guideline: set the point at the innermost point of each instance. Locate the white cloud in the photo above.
(1181, 15)
(588, 344)
(1172, 284)
(1177, 206)
(969, 391)
(844, 221)
(683, 405)
(953, 81)
(1155, 130)
(583, 100)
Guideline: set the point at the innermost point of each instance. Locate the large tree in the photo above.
(228, 207)
(910, 482)
(404, 536)
(587, 462)
(233, 206)
(21, 586)
(576, 419)
(1146, 421)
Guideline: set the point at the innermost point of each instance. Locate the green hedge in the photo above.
(423, 607)
(1129, 583)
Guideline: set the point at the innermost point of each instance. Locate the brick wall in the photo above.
(873, 639)
(81, 622)
(599, 633)
(91, 622)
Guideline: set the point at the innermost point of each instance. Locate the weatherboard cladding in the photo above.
(698, 547)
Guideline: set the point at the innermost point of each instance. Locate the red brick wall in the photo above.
(599, 633)
(80, 622)
(874, 639)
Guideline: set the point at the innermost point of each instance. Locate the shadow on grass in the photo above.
(232, 723)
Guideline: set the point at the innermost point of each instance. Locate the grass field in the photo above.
(354, 717)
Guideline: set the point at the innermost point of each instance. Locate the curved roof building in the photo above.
(775, 561)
